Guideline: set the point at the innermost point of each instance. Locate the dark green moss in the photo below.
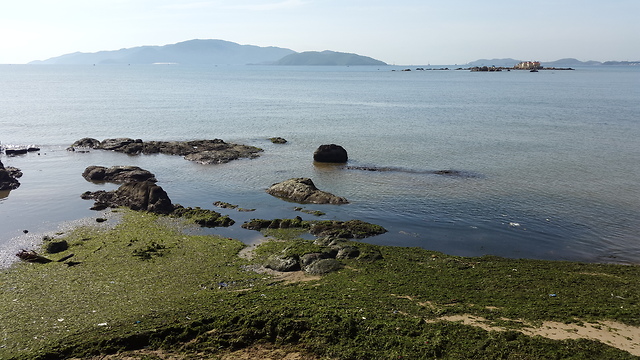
(346, 229)
(199, 299)
(202, 217)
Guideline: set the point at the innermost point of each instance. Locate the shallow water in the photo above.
(550, 159)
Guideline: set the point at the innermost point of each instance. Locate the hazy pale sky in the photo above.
(398, 32)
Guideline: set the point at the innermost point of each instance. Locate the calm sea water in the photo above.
(551, 159)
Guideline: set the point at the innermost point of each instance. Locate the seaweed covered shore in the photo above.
(144, 289)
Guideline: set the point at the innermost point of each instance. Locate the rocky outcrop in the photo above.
(303, 190)
(330, 154)
(213, 151)
(9, 177)
(144, 195)
(352, 229)
(117, 174)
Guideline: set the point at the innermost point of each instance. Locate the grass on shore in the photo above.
(145, 284)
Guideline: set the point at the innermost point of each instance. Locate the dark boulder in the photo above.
(330, 154)
(9, 177)
(303, 190)
(117, 174)
(144, 195)
(55, 247)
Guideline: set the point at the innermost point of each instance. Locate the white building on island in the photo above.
(529, 65)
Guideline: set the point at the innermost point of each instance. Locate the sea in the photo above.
(515, 164)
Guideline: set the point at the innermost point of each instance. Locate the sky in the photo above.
(403, 32)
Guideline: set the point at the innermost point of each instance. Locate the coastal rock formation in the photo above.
(303, 190)
(331, 153)
(144, 195)
(9, 177)
(117, 174)
(351, 229)
(214, 151)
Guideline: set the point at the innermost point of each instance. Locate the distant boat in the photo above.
(533, 70)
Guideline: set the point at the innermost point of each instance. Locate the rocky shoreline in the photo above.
(214, 151)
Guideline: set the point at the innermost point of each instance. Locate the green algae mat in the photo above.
(146, 285)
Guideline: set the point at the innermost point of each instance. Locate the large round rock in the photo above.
(330, 154)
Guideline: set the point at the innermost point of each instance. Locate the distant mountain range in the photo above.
(558, 63)
(214, 52)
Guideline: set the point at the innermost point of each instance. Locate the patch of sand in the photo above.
(615, 334)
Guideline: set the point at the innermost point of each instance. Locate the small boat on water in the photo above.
(533, 70)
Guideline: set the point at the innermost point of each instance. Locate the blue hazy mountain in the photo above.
(186, 52)
(327, 58)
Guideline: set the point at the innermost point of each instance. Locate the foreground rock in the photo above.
(326, 251)
(9, 177)
(330, 154)
(144, 195)
(214, 151)
(303, 190)
(117, 174)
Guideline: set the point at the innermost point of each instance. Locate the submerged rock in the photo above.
(330, 154)
(278, 140)
(117, 174)
(303, 190)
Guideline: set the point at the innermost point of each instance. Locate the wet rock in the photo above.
(330, 154)
(117, 174)
(278, 140)
(143, 195)
(213, 151)
(303, 190)
(9, 177)
(224, 155)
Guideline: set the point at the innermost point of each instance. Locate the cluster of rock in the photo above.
(139, 192)
(352, 229)
(303, 190)
(9, 177)
(214, 151)
(326, 260)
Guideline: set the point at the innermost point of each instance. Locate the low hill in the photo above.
(187, 52)
(327, 58)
